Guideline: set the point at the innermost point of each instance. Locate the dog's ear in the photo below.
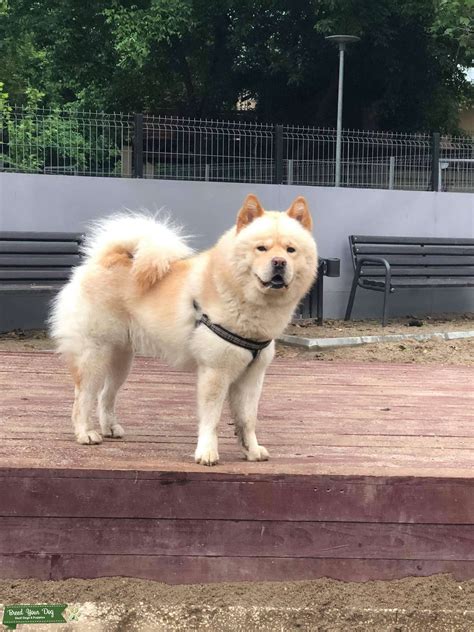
(299, 210)
(251, 209)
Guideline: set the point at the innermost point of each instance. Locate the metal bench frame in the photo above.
(384, 264)
(312, 305)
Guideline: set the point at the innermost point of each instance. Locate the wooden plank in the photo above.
(198, 569)
(193, 570)
(161, 436)
(25, 566)
(240, 538)
(327, 460)
(308, 498)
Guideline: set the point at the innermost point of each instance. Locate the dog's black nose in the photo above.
(279, 263)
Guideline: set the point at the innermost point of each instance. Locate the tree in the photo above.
(198, 58)
(405, 73)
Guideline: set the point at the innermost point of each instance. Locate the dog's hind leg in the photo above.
(120, 361)
(244, 396)
(89, 369)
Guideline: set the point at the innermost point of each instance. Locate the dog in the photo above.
(141, 289)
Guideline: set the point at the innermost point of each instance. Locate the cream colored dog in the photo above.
(142, 290)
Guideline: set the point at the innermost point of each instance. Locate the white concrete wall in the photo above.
(39, 202)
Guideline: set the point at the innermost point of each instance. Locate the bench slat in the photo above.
(429, 260)
(377, 239)
(426, 271)
(413, 250)
(36, 286)
(417, 282)
(31, 261)
(37, 247)
(27, 274)
(40, 236)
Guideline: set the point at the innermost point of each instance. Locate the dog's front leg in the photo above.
(244, 396)
(213, 385)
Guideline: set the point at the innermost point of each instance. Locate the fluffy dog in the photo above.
(141, 289)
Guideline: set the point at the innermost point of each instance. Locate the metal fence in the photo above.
(65, 142)
(381, 160)
(456, 164)
(145, 146)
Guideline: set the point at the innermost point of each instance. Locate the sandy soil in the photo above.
(321, 605)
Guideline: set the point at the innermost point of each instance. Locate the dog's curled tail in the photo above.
(146, 244)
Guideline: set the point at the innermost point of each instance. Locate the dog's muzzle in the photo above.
(277, 282)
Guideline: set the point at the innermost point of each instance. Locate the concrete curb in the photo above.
(331, 343)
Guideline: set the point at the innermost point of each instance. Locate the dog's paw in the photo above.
(115, 432)
(89, 437)
(207, 456)
(260, 454)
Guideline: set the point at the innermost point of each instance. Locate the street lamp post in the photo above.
(341, 41)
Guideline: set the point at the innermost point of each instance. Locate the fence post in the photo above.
(391, 172)
(278, 154)
(289, 178)
(435, 153)
(138, 146)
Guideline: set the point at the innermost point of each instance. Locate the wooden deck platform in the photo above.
(371, 476)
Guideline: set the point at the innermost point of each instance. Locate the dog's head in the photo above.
(275, 253)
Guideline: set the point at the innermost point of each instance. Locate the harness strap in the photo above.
(254, 346)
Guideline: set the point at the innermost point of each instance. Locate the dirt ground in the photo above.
(438, 603)
(422, 604)
(406, 325)
(406, 351)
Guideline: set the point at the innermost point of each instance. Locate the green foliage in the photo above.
(198, 57)
(454, 20)
(137, 30)
(35, 138)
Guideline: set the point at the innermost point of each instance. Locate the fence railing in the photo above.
(146, 146)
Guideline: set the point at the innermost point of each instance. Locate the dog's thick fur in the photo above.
(136, 292)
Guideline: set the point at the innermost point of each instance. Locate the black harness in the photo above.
(254, 346)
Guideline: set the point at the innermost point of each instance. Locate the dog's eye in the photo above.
(261, 248)
(290, 249)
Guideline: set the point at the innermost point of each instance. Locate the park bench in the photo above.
(37, 262)
(386, 264)
(42, 262)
